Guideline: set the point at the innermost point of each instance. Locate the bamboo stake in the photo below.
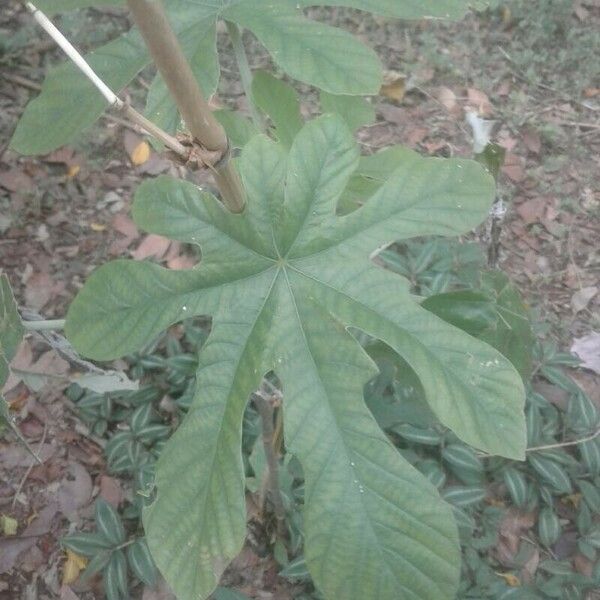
(164, 47)
(114, 101)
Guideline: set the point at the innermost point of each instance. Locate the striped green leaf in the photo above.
(591, 494)
(432, 470)
(593, 537)
(141, 417)
(517, 485)
(549, 528)
(464, 463)
(465, 522)
(109, 523)
(114, 577)
(533, 419)
(551, 472)
(556, 567)
(463, 496)
(583, 519)
(140, 561)
(97, 564)
(418, 435)
(590, 455)
(86, 544)
(582, 413)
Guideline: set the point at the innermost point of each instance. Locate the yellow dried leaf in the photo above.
(510, 579)
(72, 171)
(573, 499)
(97, 226)
(496, 502)
(9, 525)
(140, 154)
(394, 86)
(73, 566)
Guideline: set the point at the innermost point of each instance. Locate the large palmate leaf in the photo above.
(69, 103)
(406, 9)
(314, 53)
(51, 7)
(283, 282)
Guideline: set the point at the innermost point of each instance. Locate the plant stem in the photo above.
(108, 94)
(265, 409)
(582, 440)
(164, 47)
(44, 325)
(245, 73)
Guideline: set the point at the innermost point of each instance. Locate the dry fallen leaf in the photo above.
(111, 490)
(447, 99)
(591, 92)
(587, 348)
(125, 226)
(581, 298)
(394, 86)
(181, 262)
(514, 524)
(480, 101)
(66, 593)
(510, 579)
(137, 148)
(72, 171)
(160, 591)
(75, 490)
(583, 565)
(9, 525)
(532, 140)
(72, 567)
(16, 181)
(513, 168)
(152, 246)
(140, 154)
(38, 290)
(531, 211)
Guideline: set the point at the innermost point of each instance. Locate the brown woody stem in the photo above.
(152, 21)
(265, 409)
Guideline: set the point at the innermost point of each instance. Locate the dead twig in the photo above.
(265, 409)
(30, 467)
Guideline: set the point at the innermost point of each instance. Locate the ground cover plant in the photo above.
(293, 293)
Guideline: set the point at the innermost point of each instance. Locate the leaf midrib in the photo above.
(381, 549)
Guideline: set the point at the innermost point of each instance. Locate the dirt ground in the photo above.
(66, 213)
